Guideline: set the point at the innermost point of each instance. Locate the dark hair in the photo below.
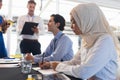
(31, 2)
(59, 19)
(0, 0)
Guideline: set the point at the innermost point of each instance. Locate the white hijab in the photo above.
(92, 22)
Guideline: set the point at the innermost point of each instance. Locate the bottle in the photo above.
(30, 77)
(26, 65)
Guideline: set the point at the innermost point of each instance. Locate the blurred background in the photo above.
(12, 9)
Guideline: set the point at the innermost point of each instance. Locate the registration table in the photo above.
(16, 74)
(13, 72)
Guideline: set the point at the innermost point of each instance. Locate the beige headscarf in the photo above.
(92, 22)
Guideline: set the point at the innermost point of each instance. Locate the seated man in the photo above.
(60, 47)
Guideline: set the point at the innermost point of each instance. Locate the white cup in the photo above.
(26, 66)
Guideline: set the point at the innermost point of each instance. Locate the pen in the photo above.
(43, 58)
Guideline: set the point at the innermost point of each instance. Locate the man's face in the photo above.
(52, 25)
(31, 8)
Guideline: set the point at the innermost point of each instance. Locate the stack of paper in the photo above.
(45, 71)
(6, 61)
(8, 65)
(51, 74)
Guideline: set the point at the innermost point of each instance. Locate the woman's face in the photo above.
(74, 27)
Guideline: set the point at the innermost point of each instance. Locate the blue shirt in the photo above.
(1, 20)
(58, 50)
(3, 52)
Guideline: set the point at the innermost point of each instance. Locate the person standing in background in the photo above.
(29, 43)
(3, 29)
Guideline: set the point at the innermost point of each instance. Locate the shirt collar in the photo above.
(29, 15)
(57, 36)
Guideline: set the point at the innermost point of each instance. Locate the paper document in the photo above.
(45, 72)
(51, 74)
(2, 61)
(8, 65)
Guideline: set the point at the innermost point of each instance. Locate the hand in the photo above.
(5, 25)
(45, 65)
(29, 57)
(54, 64)
(35, 29)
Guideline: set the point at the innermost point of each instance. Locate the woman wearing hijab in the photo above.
(97, 57)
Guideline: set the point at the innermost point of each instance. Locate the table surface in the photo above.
(14, 73)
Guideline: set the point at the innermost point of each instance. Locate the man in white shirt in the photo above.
(29, 43)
